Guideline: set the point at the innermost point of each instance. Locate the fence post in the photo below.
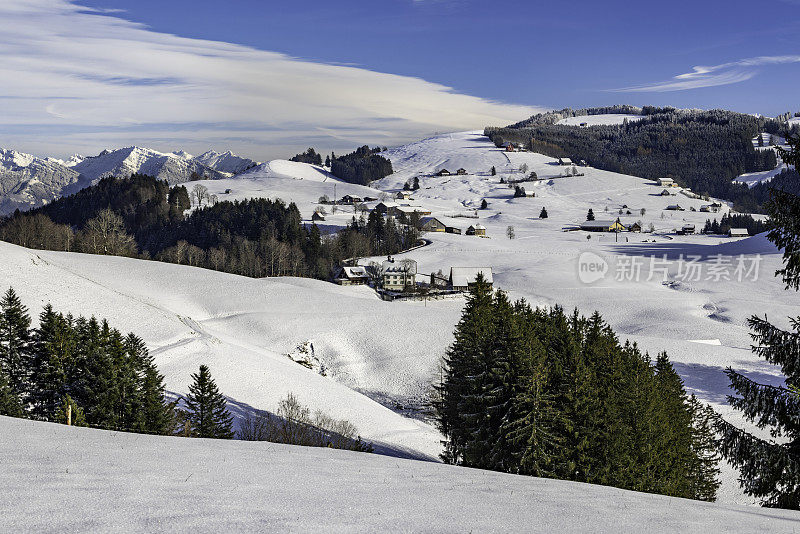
(69, 415)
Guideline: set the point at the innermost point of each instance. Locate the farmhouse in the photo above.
(738, 232)
(404, 214)
(452, 230)
(443, 172)
(348, 199)
(635, 227)
(477, 229)
(317, 217)
(603, 226)
(666, 182)
(674, 207)
(461, 172)
(687, 229)
(384, 207)
(403, 195)
(431, 224)
(564, 161)
(351, 276)
(463, 277)
(397, 277)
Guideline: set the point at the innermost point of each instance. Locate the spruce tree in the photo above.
(590, 215)
(543, 213)
(9, 399)
(53, 348)
(14, 341)
(770, 470)
(206, 407)
(155, 415)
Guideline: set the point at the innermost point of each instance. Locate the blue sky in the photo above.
(551, 54)
(266, 78)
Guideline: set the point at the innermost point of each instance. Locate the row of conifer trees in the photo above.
(543, 393)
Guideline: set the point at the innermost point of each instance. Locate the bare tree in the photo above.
(510, 232)
(199, 194)
(642, 212)
(105, 234)
(523, 168)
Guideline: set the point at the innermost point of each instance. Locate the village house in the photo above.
(383, 207)
(477, 229)
(564, 161)
(398, 277)
(317, 216)
(404, 214)
(635, 227)
(738, 232)
(674, 207)
(443, 172)
(666, 182)
(431, 224)
(461, 172)
(351, 276)
(349, 199)
(452, 230)
(461, 278)
(403, 195)
(687, 229)
(603, 226)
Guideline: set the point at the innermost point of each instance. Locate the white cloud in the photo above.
(76, 80)
(712, 76)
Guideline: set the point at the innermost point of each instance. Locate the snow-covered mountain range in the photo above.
(28, 181)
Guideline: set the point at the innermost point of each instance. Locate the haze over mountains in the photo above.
(28, 181)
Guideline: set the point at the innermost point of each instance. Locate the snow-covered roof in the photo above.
(739, 232)
(355, 272)
(478, 226)
(598, 224)
(463, 276)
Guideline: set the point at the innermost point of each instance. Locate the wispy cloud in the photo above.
(77, 80)
(712, 76)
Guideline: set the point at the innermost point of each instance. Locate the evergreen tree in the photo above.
(494, 171)
(206, 407)
(14, 341)
(770, 470)
(543, 213)
(155, 415)
(9, 400)
(590, 215)
(704, 467)
(484, 204)
(53, 350)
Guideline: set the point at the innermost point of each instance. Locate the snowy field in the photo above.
(380, 358)
(596, 120)
(66, 479)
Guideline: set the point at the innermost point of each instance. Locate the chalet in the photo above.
(397, 277)
(705, 209)
(370, 199)
(404, 214)
(349, 199)
(317, 217)
(452, 230)
(738, 232)
(462, 278)
(687, 229)
(666, 193)
(603, 226)
(383, 207)
(351, 276)
(564, 161)
(443, 172)
(403, 195)
(477, 229)
(461, 172)
(666, 182)
(674, 207)
(635, 227)
(431, 224)
(717, 205)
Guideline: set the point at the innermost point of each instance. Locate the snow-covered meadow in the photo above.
(380, 358)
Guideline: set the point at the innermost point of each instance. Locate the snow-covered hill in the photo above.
(65, 479)
(27, 181)
(595, 120)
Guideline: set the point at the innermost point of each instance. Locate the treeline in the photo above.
(552, 117)
(361, 167)
(309, 156)
(542, 393)
(788, 180)
(734, 220)
(107, 379)
(705, 151)
(143, 217)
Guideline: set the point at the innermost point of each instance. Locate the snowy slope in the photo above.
(66, 479)
(291, 181)
(596, 120)
(244, 328)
